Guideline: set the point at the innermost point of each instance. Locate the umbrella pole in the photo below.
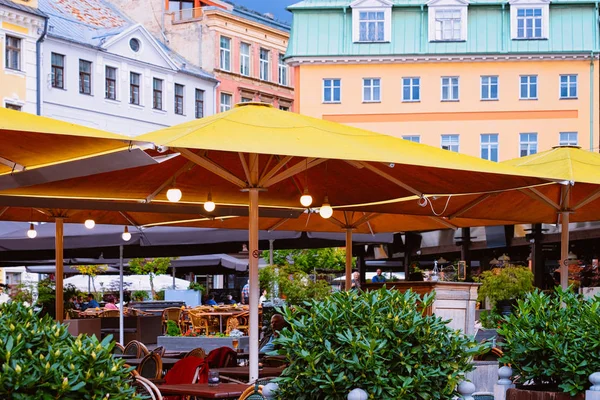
(564, 237)
(59, 241)
(173, 277)
(348, 259)
(121, 322)
(253, 266)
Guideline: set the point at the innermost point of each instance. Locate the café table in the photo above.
(221, 391)
(242, 373)
(166, 361)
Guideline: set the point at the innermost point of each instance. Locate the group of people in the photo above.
(378, 278)
(80, 305)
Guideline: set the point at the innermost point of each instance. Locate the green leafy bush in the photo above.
(293, 283)
(173, 329)
(553, 339)
(140, 295)
(379, 341)
(507, 283)
(39, 359)
(197, 287)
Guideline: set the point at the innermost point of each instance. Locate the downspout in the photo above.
(162, 21)
(421, 28)
(503, 40)
(344, 38)
(217, 84)
(592, 101)
(38, 55)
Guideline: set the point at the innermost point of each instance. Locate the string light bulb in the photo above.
(306, 199)
(326, 211)
(126, 236)
(31, 233)
(90, 223)
(174, 195)
(209, 205)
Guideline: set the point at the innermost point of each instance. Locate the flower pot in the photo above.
(505, 307)
(534, 392)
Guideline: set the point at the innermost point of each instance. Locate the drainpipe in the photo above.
(217, 84)
(344, 39)
(592, 101)
(38, 78)
(421, 28)
(162, 21)
(502, 49)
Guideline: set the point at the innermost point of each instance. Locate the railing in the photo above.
(187, 14)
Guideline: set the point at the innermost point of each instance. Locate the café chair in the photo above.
(151, 366)
(160, 350)
(171, 314)
(253, 392)
(146, 388)
(118, 349)
(109, 313)
(138, 349)
(197, 352)
(199, 322)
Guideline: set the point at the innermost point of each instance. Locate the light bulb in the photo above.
(90, 223)
(306, 198)
(126, 236)
(174, 195)
(31, 233)
(326, 211)
(209, 205)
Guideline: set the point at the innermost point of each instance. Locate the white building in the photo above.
(104, 71)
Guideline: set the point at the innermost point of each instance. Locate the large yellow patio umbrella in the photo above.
(230, 157)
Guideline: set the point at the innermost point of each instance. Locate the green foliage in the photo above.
(307, 260)
(378, 341)
(139, 295)
(92, 271)
(173, 329)
(197, 287)
(46, 290)
(293, 283)
(490, 319)
(160, 295)
(150, 267)
(24, 293)
(40, 359)
(553, 339)
(507, 283)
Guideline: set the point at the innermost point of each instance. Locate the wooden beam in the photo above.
(593, 196)
(245, 166)
(11, 164)
(444, 222)
(273, 171)
(188, 166)
(291, 171)
(355, 164)
(390, 178)
(537, 195)
(470, 206)
(3, 210)
(366, 218)
(337, 222)
(266, 167)
(277, 224)
(211, 166)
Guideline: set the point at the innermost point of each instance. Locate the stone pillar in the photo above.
(466, 390)
(594, 392)
(504, 383)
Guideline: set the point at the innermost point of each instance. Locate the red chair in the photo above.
(222, 357)
(187, 370)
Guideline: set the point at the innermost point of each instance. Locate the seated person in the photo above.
(111, 303)
(91, 303)
(230, 300)
(277, 324)
(211, 300)
(378, 278)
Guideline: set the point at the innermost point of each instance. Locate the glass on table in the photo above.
(213, 378)
(236, 343)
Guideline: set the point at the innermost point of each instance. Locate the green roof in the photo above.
(316, 4)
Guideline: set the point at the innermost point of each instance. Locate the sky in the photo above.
(276, 7)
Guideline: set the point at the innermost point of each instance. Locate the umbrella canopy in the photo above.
(131, 282)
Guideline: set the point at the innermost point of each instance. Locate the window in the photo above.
(178, 99)
(199, 109)
(450, 88)
(568, 86)
(448, 25)
(372, 90)
(225, 54)
(11, 106)
(450, 142)
(528, 144)
(489, 146)
(85, 77)
(246, 99)
(58, 70)
(245, 59)
(528, 87)
(371, 26)
(567, 139)
(283, 71)
(110, 90)
(157, 94)
(134, 88)
(489, 88)
(412, 138)
(529, 23)
(411, 89)
(134, 45)
(284, 108)
(225, 102)
(332, 90)
(264, 64)
(13, 53)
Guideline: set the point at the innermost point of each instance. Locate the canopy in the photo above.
(130, 282)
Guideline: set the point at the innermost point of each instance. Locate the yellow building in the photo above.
(22, 26)
(490, 79)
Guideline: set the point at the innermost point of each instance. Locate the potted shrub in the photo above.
(552, 344)
(379, 341)
(41, 360)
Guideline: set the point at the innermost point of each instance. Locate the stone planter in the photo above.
(87, 326)
(180, 343)
(192, 298)
(485, 375)
(523, 394)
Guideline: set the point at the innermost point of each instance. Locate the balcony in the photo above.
(186, 15)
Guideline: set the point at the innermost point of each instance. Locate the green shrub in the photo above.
(554, 339)
(197, 287)
(507, 283)
(379, 341)
(140, 295)
(40, 359)
(173, 329)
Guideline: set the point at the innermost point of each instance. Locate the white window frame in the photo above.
(489, 85)
(569, 83)
(432, 15)
(245, 59)
(264, 63)
(412, 138)
(374, 83)
(225, 54)
(384, 6)
(411, 85)
(447, 18)
(450, 88)
(537, 88)
(489, 146)
(450, 136)
(529, 4)
(284, 76)
(528, 143)
(20, 58)
(225, 107)
(568, 141)
(333, 86)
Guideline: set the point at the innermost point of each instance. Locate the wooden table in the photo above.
(244, 372)
(222, 391)
(165, 361)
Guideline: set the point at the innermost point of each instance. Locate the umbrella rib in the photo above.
(365, 219)
(583, 202)
(266, 167)
(337, 222)
(211, 166)
(5, 209)
(537, 195)
(189, 165)
(268, 175)
(470, 206)
(444, 222)
(296, 169)
(390, 178)
(277, 224)
(15, 166)
(245, 166)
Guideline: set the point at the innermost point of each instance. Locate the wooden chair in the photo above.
(199, 322)
(118, 349)
(151, 366)
(239, 322)
(152, 386)
(197, 352)
(137, 349)
(253, 392)
(160, 350)
(109, 313)
(171, 314)
(146, 388)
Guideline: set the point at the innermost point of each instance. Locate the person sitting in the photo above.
(211, 300)
(111, 303)
(91, 303)
(277, 324)
(230, 300)
(378, 278)
(355, 281)
(263, 297)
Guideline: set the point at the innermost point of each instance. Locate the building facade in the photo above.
(496, 80)
(102, 70)
(243, 49)
(21, 27)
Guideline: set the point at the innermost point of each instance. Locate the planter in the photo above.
(505, 307)
(191, 298)
(86, 326)
(539, 393)
(179, 343)
(485, 375)
(590, 292)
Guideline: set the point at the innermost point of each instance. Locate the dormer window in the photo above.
(529, 19)
(371, 21)
(447, 20)
(447, 25)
